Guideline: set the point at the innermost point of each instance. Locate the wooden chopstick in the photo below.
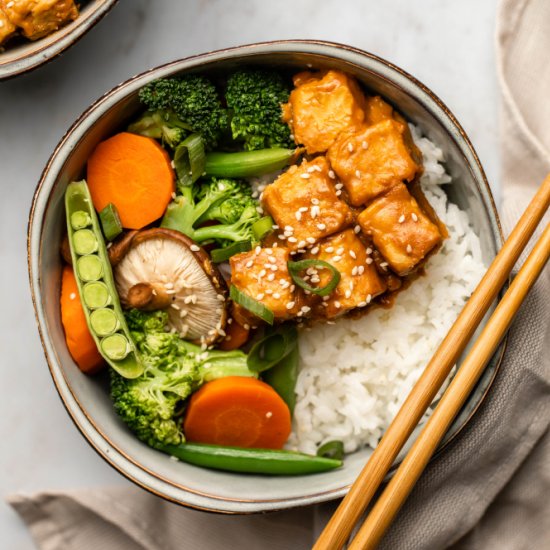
(339, 527)
(398, 489)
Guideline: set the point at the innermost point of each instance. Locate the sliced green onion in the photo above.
(262, 227)
(189, 160)
(294, 268)
(332, 449)
(222, 254)
(255, 307)
(245, 164)
(272, 348)
(110, 222)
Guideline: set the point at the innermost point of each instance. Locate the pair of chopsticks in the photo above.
(342, 523)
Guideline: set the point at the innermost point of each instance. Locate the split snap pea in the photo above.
(96, 284)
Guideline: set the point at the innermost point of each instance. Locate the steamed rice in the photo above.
(355, 373)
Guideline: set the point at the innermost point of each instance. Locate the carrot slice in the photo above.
(134, 173)
(238, 411)
(79, 340)
(236, 336)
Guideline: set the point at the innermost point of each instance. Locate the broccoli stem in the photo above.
(245, 164)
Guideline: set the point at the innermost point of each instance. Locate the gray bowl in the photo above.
(27, 56)
(86, 398)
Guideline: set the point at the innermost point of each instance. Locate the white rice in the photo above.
(355, 374)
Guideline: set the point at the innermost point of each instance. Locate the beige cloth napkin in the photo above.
(489, 490)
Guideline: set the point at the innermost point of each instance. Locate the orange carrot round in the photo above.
(79, 340)
(236, 336)
(238, 411)
(135, 174)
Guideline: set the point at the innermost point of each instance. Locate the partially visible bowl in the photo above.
(87, 400)
(26, 56)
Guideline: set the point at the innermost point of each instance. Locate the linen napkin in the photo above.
(488, 490)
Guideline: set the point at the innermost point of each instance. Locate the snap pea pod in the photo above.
(96, 285)
(250, 461)
(245, 164)
(283, 377)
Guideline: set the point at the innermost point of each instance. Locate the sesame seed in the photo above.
(340, 250)
(173, 193)
(260, 296)
(331, 174)
(357, 229)
(269, 252)
(353, 254)
(271, 276)
(183, 313)
(384, 265)
(301, 244)
(339, 192)
(298, 215)
(357, 173)
(268, 291)
(369, 261)
(361, 304)
(1, 24)
(259, 209)
(336, 258)
(174, 306)
(311, 169)
(305, 176)
(315, 211)
(262, 273)
(369, 250)
(409, 249)
(401, 218)
(306, 309)
(360, 269)
(220, 297)
(246, 326)
(289, 305)
(250, 263)
(273, 267)
(187, 300)
(369, 298)
(272, 259)
(315, 279)
(276, 295)
(365, 145)
(72, 295)
(354, 270)
(292, 288)
(194, 248)
(315, 250)
(268, 414)
(314, 201)
(282, 237)
(170, 291)
(414, 217)
(300, 314)
(257, 250)
(329, 249)
(303, 209)
(310, 240)
(339, 186)
(337, 304)
(292, 240)
(289, 228)
(169, 286)
(321, 226)
(350, 147)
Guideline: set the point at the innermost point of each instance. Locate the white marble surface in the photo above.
(446, 44)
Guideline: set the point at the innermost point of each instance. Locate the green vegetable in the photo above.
(246, 164)
(262, 227)
(189, 159)
(226, 201)
(294, 269)
(150, 405)
(276, 344)
(255, 307)
(96, 285)
(255, 98)
(332, 449)
(219, 255)
(251, 461)
(194, 100)
(110, 222)
(163, 125)
(283, 377)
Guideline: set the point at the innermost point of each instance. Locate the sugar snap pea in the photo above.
(244, 164)
(96, 285)
(250, 461)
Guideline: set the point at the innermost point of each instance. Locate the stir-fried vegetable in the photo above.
(189, 160)
(251, 461)
(246, 164)
(110, 222)
(95, 284)
(295, 268)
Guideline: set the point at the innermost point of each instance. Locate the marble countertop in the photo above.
(440, 42)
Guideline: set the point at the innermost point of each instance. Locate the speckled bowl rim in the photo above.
(64, 38)
(124, 464)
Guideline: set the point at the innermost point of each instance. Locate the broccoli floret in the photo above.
(163, 125)
(150, 405)
(226, 201)
(254, 97)
(194, 100)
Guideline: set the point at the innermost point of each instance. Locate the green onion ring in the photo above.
(272, 348)
(255, 307)
(294, 269)
(262, 227)
(331, 449)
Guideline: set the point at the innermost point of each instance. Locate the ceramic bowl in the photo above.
(26, 56)
(86, 398)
